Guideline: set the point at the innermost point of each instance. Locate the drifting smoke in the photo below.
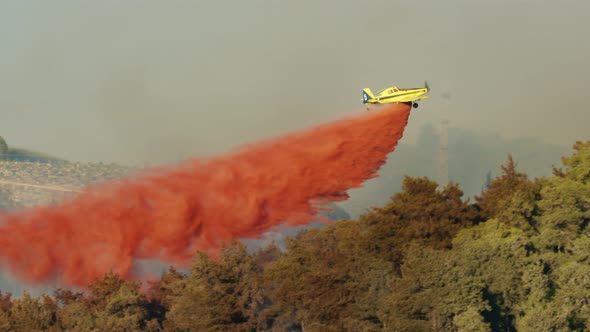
(169, 213)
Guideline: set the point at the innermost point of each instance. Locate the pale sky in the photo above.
(152, 81)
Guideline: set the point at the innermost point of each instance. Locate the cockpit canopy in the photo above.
(391, 89)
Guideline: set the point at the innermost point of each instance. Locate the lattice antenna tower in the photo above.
(443, 154)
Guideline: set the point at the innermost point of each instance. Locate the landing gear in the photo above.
(415, 105)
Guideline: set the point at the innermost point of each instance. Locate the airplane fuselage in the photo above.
(395, 95)
(398, 96)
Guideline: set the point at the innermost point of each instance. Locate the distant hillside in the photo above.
(26, 183)
(472, 155)
(9, 153)
(278, 236)
(16, 154)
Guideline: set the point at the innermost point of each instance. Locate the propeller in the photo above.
(426, 85)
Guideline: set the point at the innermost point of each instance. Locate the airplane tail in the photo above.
(367, 94)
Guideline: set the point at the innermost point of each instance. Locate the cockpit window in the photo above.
(388, 90)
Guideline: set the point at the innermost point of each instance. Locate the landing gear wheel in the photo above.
(415, 105)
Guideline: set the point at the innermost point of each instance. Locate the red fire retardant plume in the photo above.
(168, 214)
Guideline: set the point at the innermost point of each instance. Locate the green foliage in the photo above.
(565, 202)
(512, 198)
(471, 320)
(437, 286)
(124, 311)
(565, 206)
(5, 301)
(520, 209)
(418, 213)
(419, 299)
(100, 291)
(4, 321)
(219, 295)
(76, 317)
(326, 278)
(33, 314)
(578, 165)
(5, 311)
(161, 293)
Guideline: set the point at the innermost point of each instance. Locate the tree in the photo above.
(112, 303)
(5, 325)
(478, 283)
(327, 280)
(578, 165)
(125, 310)
(267, 255)
(471, 320)
(565, 203)
(30, 314)
(219, 295)
(5, 301)
(500, 189)
(100, 290)
(75, 316)
(420, 213)
(160, 293)
(66, 296)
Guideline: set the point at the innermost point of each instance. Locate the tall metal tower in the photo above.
(443, 154)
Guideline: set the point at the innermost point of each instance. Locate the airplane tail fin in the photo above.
(367, 94)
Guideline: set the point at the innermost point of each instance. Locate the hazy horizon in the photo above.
(149, 82)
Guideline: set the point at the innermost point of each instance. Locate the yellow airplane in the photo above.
(395, 95)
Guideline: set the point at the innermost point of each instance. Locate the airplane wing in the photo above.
(411, 99)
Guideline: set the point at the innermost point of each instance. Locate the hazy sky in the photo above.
(152, 81)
